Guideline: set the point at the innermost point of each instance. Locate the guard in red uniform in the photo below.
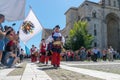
(58, 41)
(42, 51)
(48, 52)
(33, 57)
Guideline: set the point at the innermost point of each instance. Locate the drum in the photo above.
(58, 43)
(36, 53)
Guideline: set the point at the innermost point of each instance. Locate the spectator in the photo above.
(68, 56)
(89, 53)
(6, 40)
(110, 53)
(82, 54)
(72, 55)
(10, 50)
(104, 54)
(22, 55)
(95, 54)
(117, 55)
(2, 34)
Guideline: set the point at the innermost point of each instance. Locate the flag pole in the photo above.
(38, 19)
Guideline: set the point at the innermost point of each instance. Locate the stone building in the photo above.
(103, 21)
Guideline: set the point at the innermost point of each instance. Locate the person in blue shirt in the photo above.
(2, 34)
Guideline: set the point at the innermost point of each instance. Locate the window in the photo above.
(95, 44)
(103, 3)
(95, 31)
(114, 3)
(94, 26)
(94, 14)
(78, 18)
(109, 2)
(72, 16)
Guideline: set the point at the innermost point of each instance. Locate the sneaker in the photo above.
(1, 65)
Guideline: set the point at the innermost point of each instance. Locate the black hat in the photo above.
(42, 39)
(1, 16)
(13, 24)
(57, 26)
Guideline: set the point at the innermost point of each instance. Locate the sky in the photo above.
(49, 14)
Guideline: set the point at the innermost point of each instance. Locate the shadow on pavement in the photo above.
(46, 68)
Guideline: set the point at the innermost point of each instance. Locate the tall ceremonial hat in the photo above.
(57, 26)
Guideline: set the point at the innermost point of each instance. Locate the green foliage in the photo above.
(79, 36)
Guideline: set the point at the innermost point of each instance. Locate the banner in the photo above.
(13, 9)
(27, 50)
(30, 27)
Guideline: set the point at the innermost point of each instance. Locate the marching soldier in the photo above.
(33, 57)
(42, 51)
(58, 41)
(48, 52)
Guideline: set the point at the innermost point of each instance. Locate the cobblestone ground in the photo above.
(112, 67)
(18, 70)
(115, 68)
(62, 74)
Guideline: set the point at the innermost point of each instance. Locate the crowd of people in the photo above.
(93, 54)
(10, 51)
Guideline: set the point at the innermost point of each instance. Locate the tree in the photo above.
(79, 36)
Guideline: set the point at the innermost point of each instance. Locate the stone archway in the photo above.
(113, 34)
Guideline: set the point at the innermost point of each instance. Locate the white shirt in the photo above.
(95, 51)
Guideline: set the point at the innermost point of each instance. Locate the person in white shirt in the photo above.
(110, 53)
(95, 54)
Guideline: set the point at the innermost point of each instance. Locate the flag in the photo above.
(13, 9)
(30, 27)
(27, 50)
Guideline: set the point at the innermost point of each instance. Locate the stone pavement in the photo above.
(33, 72)
(4, 72)
(94, 73)
(77, 63)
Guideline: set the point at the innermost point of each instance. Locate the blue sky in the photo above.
(49, 13)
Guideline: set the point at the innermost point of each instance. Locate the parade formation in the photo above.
(87, 48)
